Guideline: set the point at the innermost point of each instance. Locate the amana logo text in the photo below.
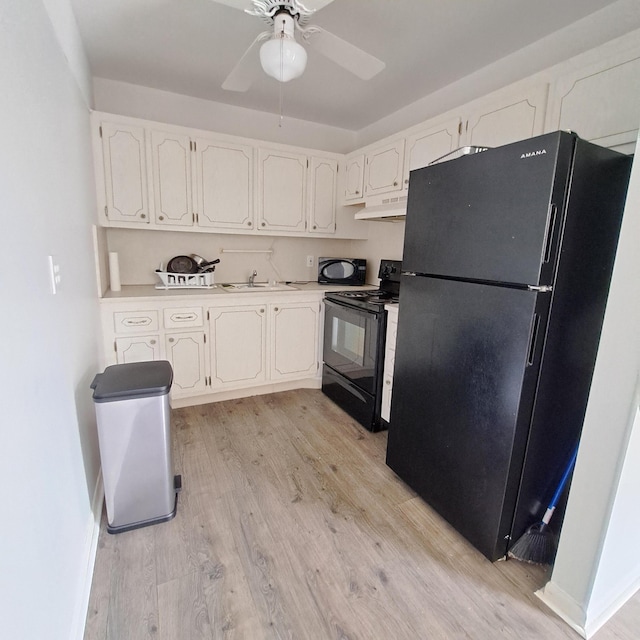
(530, 154)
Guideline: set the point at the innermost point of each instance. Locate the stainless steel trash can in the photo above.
(134, 434)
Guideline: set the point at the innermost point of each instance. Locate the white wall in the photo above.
(152, 104)
(598, 562)
(141, 252)
(48, 455)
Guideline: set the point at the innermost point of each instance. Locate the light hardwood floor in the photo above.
(290, 525)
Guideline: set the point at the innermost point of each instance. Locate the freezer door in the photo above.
(464, 382)
(493, 216)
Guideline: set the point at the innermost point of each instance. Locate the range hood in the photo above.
(388, 210)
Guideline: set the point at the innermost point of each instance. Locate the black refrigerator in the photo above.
(507, 261)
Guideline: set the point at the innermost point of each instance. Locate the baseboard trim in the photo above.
(246, 392)
(607, 612)
(574, 615)
(564, 606)
(90, 550)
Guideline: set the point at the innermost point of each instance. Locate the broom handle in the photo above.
(552, 505)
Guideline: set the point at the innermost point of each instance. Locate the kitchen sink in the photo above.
(257, 286)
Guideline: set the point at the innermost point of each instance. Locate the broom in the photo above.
(537, 545)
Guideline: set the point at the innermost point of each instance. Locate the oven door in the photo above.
(351, 343)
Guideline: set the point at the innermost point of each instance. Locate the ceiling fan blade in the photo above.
(247, 68)
(347, 55)
(311, 5)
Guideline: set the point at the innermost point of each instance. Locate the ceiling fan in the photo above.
(281, 56)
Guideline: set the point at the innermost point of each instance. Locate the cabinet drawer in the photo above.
(183, 317)
(135, 321)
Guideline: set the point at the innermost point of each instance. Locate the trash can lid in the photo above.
(134, 380)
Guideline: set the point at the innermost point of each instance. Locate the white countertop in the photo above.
(149, 292)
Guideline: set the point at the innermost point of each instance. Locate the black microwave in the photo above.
(343, 271)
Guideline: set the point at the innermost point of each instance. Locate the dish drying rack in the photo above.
(185, 280)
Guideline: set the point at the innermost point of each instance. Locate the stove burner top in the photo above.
(374, 299)
(364, 295)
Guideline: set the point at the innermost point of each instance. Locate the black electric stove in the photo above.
(354, 340)
(374, 299)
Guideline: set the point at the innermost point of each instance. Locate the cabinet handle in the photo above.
(357, 192)
(395, 184)
(249, 223)
(388, 381)
(261, 310)
(406, 181)
(275, 309)
(152, 341)
(264, 224)
(314, 227)
(160, 217)
(171, 340)
(190, 316)
(142, 215)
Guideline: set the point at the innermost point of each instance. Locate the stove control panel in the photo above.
(390, 270)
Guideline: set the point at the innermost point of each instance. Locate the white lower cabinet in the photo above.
(389, 362)
(186, 353)
(225, 344)
(294, 331)
(238, 345)
(137, 349)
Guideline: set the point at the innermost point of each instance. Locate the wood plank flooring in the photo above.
(290, 525)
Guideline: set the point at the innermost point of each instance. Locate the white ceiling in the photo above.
(189, 47)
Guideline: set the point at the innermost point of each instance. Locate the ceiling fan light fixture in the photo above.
(283, 59)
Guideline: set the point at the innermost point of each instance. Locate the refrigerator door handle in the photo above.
(553, 212)
(543, 288)
(535, 325)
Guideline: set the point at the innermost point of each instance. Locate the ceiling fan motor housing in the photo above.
(282, 57)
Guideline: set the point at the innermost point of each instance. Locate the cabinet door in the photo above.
(294, 340)
(354, 178)
(125, 173)
(383, 169)
(423, 147)
(137, 349)
(323, 175)
(238, 346)
(600, 103)
(186, 353)
(224, 184)
(171, 171)
(515, 116)
(389, 364)
(281, 190)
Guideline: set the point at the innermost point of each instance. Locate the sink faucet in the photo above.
(252, 277)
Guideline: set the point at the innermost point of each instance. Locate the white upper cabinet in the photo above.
(600, 103)
(322, 185)
(513, 115)
(171, 172)
(282, 184)
(383, 169)
(428, 145)
(125, 173)
(224, 179)
(354, 179)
